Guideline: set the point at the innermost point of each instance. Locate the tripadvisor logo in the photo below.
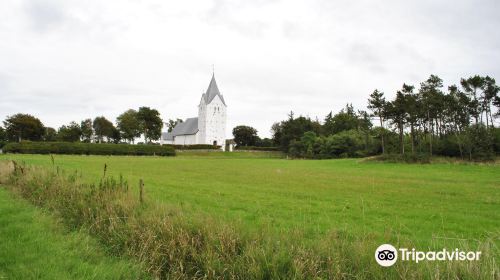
(387, 255)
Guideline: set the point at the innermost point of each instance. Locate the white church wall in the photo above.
(201, 120)
(185, 139)
(215, 122)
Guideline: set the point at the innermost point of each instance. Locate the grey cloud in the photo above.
(44, 14)
(103, 57)
(222, 13)
(364, 55)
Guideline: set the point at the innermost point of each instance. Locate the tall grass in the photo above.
(172, 245)
(34, 245)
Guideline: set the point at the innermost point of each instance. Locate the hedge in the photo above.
(408, 158)
(87, 149)
(255, 148)
(194, 147)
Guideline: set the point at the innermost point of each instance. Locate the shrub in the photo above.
(194, 147)
(255, 148)
(344, 144)
(351, 143)
(408, 158)
(87, 149)
(496, 140)
(446, 146)
(479, 143)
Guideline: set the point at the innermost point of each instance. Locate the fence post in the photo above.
(141, 191)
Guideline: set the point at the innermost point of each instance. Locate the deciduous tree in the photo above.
(245, 135)
(70, 133)
(3, 134)
(129, 125)
(87, 130)
(103, 128)
(20, 127)
(50, 134)
(172, 123)
(151, 123)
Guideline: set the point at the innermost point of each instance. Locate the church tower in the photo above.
(212, 116)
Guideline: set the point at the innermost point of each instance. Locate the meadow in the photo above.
(35, 246)
(432, 206)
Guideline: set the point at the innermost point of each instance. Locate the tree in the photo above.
(397, 112)
(129, 125)
(293, 129)
(87, 130)
(245, 135)
(264, 142)
(444, 119)
(3, 134)
(471, 87)
(151, 123)
(480, 141)
(378, 105)
(456, 110)
(276, 132)
(346, 119)
(496, 102)
(103, 128)
(115, 136)
(171, 124)
(70, 133)
(50, 134)
(412, 112)
(490, 95)
(431, 98)
(23, 127)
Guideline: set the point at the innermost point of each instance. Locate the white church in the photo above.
(208, 128)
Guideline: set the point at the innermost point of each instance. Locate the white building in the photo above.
(208, 128)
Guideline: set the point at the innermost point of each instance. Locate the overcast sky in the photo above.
(69, 60)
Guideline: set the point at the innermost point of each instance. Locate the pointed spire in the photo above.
(213, 91)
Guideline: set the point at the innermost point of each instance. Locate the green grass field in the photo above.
(424, 205)
(34, 246)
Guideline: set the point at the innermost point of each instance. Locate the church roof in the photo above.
(169, 136)
(188, 127)
(213, 91)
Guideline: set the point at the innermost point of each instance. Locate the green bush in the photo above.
(408, 158)
(480, 143)
(344, 144)
(446, 146)
(87, 149)
(496, 140)
(255, 148)
(350, 143)
(193, 147)
(2, 143)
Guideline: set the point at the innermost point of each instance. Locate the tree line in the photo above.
(457, 121)
(429, 120)
(131, 124)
